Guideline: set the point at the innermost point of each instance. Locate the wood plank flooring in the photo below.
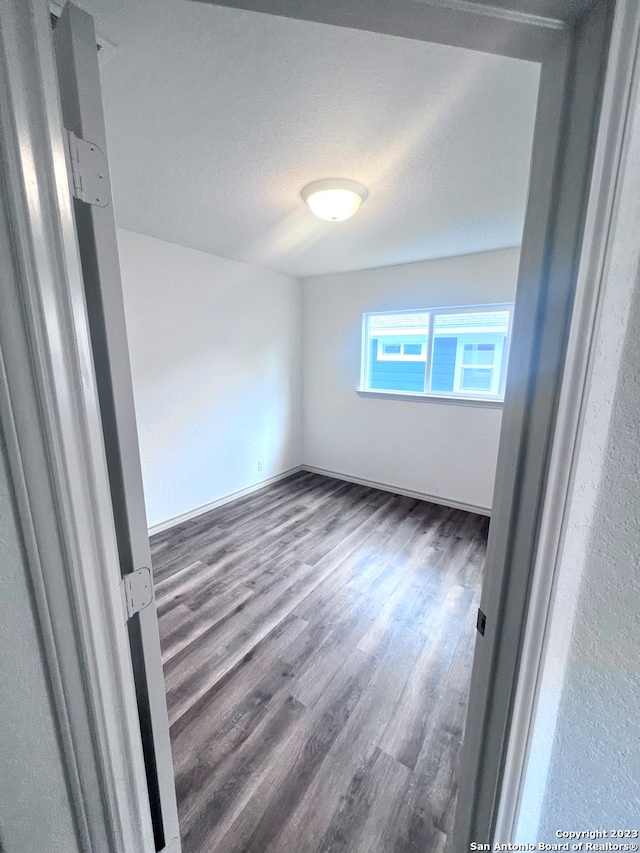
(317, 640)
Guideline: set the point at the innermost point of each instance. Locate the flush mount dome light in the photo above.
(334, 199)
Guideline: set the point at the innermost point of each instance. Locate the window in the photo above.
(440, 352)
(402, 349)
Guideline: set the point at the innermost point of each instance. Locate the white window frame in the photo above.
(494, 397)
(496, 367)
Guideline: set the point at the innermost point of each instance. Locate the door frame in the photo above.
(78, 74)
(50, 418)
(51, 422)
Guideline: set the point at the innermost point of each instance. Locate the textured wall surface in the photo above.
(215, 358)
(594, 776)
(436, 449)
(35, 813)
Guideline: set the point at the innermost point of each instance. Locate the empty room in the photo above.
(317, 531)
(319, 235)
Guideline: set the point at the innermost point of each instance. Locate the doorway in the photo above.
(159, 301)
(576, 235)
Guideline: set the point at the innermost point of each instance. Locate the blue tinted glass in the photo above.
(443, 367)
(394, 374)
(476, 379)
(479, 353)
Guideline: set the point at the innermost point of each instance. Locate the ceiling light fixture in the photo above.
(334, 199)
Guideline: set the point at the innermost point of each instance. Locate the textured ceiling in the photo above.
(217, 117)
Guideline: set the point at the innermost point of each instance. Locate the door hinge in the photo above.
(481, 622)
(137, 592)
(89, 181)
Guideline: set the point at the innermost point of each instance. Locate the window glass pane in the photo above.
(476, 379)
(463, 340)
(471, 321)
(399, 320)
(479, 353)
(465, 357)
(443, 364)
(397, 351)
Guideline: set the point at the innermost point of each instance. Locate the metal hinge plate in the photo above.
(481, 622)
(88, 171)
(137, 591)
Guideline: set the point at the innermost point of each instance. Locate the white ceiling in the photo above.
(217, 117)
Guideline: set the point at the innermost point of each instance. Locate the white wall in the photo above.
(594, 772)
(439, 450)
(215, 357)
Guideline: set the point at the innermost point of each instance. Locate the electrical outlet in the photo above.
(260, 465)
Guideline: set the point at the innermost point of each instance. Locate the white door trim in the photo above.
(52, 427)
(74, 42)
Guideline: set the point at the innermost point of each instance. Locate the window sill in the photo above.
(432, 398)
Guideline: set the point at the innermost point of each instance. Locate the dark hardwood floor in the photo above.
(317, 642)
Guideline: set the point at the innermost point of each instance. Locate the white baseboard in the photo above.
(410, 493)
(385, 487)
(194, 513)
